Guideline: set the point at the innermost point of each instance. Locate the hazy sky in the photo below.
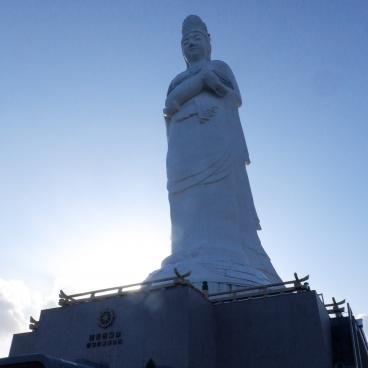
(82, 143)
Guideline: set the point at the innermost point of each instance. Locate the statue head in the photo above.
(195, 42)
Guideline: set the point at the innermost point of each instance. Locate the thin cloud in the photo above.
(17, 303)
(14, 297)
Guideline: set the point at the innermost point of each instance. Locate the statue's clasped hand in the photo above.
(212, 81)
(203, 78)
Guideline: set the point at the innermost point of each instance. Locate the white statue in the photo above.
(213, 218)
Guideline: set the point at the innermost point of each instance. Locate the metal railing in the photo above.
(65, 299)
(296, 285)
(292, 286)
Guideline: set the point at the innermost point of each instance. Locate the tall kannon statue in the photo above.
(213, 218)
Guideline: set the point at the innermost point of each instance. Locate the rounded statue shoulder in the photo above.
(220, 63)
(179, 76)
(220, 66)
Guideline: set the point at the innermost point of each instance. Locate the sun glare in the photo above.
(116, 252)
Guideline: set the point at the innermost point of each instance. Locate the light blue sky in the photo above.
(82, 143)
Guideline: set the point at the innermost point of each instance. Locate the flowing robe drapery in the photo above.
(211, 206)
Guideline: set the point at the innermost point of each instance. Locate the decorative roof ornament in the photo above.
(193, 23)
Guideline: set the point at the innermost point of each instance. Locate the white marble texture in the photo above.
(214, 221)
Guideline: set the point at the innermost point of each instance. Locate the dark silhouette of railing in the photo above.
(260, 291)
(87, 296)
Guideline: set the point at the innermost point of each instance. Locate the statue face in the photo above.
(195, 46)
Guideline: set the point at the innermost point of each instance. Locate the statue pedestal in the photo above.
(179, 327)
(223, 269)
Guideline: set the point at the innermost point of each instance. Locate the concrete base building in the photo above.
(175, 325)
